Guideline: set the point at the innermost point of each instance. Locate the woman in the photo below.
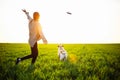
(35, 34)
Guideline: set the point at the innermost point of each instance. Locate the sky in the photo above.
(92, 21)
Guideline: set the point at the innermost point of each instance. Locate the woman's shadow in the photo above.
(30, 68)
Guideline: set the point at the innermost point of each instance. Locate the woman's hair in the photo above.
(36, 16)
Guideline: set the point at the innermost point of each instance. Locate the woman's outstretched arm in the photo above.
(27, 14)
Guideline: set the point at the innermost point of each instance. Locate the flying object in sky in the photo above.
(69, 13)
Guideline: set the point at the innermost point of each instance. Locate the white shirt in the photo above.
(35, 31)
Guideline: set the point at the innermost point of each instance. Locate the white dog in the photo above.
(62, 53)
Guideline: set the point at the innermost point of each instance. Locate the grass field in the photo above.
(85, 62)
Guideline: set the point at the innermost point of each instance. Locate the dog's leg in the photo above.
(65, 58)
(59, 57)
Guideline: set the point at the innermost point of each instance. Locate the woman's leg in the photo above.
(26, 57)
(33, 55)
(23, 58)
(34, 51)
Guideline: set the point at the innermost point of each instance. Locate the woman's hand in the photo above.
(45, 41)
(24, 10)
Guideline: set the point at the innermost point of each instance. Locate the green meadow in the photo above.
(84, 62)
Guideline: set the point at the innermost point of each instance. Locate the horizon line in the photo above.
(61, 43)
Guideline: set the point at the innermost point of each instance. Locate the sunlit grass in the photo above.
(85, 62)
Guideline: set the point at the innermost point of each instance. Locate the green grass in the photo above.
(85, 62)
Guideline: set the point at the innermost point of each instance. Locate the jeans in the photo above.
(33, 55)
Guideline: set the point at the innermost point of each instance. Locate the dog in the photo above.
(62, 53)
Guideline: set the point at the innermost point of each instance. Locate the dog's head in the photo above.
(60, 46)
